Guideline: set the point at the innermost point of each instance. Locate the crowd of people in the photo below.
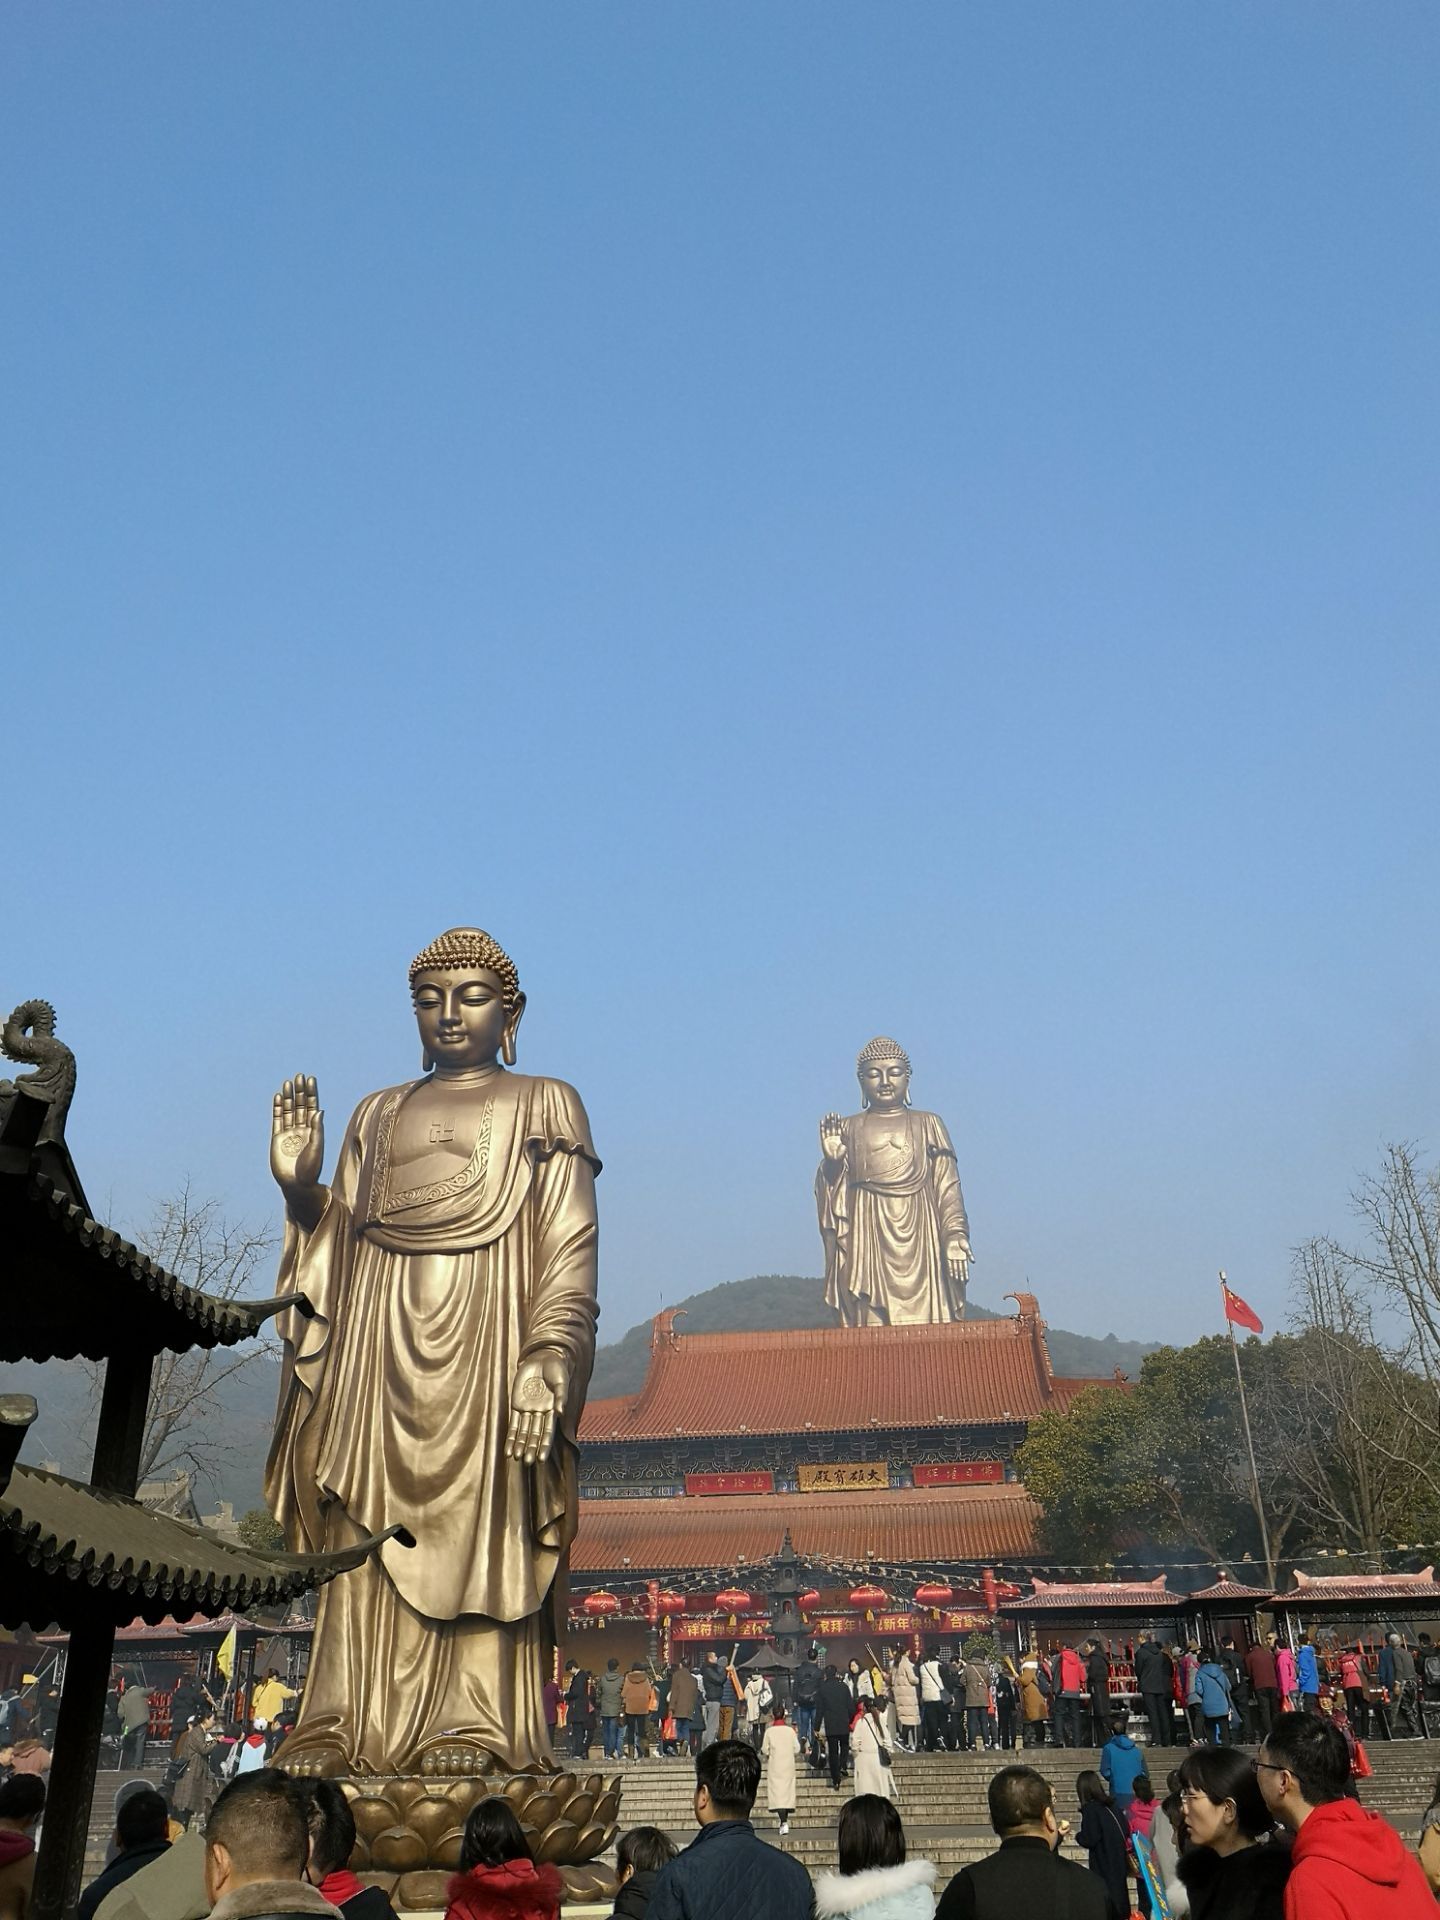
(1280, 1836)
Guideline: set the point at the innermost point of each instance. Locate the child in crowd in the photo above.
(1140, 1814)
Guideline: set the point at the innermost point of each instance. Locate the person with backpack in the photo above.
(609, 1705)
(759, 1698)
(806, 1686)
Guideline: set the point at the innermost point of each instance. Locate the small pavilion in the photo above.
(88, 1558)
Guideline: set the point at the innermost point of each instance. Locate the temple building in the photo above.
(885, 1455)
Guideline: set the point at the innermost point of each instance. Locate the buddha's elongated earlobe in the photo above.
(427, 1065)
(512, 1027)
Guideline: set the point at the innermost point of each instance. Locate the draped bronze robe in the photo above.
(394, 1406)
(887, 1212)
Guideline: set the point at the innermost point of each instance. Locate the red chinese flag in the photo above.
(1236, 1310)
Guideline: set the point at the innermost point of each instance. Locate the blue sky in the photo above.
(804, 520)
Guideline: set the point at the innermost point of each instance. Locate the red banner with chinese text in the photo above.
(729, 1483)
(719, 1630)
(961, 1473)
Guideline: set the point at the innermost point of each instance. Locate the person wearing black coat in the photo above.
(1027, 1879)
(1249, 1885)
(1097, 1678)
(835, 1709)
(1106, 1840)
(1155, 1679)
(1233, 1869)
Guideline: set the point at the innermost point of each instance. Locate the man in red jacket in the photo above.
(1346, 1863)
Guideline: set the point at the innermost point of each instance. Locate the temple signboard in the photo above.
(707, 1483)
(845, 1476)
(961, 1473)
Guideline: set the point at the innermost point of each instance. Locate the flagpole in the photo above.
(1249, 1442)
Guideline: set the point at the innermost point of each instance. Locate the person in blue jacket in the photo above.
(1307, 1673)
(1210, 1691)
(1121, 1764)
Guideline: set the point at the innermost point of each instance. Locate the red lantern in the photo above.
(596, 1605)
(733, 1600)
(934, 1594)
(808, 1600)
(668, 1603)
(869, 1597)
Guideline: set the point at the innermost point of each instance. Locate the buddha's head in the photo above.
(883, 1070)
(467, 1000)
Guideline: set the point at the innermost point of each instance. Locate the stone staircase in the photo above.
(941, 1798)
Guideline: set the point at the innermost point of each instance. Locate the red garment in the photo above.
(1139, 1816)
(1349, 1864)
(1072, 1671)
(14, 1846)
(517, 1891)
(340, 1886)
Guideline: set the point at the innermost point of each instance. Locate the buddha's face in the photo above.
(460, 1012)
(884, 1084)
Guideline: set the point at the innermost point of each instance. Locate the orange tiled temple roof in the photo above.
(837, 1380)
(927, 1525)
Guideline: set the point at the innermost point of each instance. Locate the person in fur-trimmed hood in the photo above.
(256, 1848)
(498, 1878)
(875, 1881)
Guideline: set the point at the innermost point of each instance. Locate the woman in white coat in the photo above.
(875, 1881)
(905, 1687)
(778, 1752)
(867, 1743)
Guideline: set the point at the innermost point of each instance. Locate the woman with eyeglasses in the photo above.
(1234, 1867)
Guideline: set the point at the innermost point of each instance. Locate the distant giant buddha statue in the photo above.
(892, 1217)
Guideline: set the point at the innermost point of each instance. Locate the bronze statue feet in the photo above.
(454, 1758)
(312, 1759)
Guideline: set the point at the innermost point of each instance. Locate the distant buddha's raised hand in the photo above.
(832, 1137)
(297, 1136)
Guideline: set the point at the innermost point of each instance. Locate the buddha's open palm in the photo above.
(297, 1134)
(832, 1136)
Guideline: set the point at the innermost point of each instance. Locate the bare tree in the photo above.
(1369, 1318)
(197, 1242)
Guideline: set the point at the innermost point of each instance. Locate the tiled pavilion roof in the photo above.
(78, 1288)
(1134, 1596)
(837, 1380)
(1228, 1589)
(1368, 1589)
(927, 1526)
(70, 1554)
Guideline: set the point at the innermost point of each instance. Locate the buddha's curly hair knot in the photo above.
(470, 947)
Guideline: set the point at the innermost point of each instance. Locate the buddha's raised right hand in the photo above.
(297, 1136)
(832, 1137)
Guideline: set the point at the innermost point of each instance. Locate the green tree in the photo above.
(1162, 1462)
(260, 1531)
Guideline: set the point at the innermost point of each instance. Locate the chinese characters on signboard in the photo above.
(961, 1473)
(729, 1483)
(845, 1476)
